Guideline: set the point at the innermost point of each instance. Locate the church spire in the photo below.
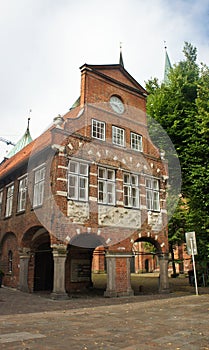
(24, 141)
(167, 65)
(121, 56)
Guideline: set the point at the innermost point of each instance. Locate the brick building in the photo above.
(81, 196)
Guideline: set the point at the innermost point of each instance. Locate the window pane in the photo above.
(9, 200)
(78, 181)
(118, 136)
(110, 174)
(101, 191)
(126, 178)
(156, 201)
(110, 193)
(83, 169)
(102, 173)
(152, 194)
(98, 130)
(106, 186)
(155, 184)
(73, 167)
(38, 193)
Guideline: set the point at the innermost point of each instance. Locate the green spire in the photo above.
(167, 66)
(24, 141)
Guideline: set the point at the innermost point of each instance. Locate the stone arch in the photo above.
(9, 261)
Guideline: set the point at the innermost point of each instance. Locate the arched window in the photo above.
(10, 261)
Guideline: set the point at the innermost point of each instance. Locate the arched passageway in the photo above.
(36, 261)
(79, 260)
(151, 266)
(43, 269)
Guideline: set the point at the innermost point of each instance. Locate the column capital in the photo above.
(59, 249)
(163, 256)
(24, 252)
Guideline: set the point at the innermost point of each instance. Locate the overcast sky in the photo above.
(44, 42)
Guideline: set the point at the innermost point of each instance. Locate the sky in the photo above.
(44, 42)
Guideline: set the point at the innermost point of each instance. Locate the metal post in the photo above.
(194, 267)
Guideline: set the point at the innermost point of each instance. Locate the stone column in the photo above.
(163, 280)
(59, 255)
(23, 274)
(118, 275)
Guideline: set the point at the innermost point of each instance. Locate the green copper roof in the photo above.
(76, 103)
(167, 66)
(24, 141)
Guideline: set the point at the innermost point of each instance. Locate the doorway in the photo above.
(44, 268)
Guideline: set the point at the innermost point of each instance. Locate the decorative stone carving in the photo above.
(78, 212)
(119, 217)
(155, 220)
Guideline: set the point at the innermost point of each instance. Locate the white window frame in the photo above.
(152, 194)
(1, 201)
(98, 129)
(78, 180)
(39, 182)
(131, 193)
(136, 142)
(106, 186)
(118, 136)
(22, 193)
(9, 199)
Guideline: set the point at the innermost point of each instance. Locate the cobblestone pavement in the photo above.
(179, 320)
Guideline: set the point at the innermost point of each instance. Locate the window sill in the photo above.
(7, 217)
(20, 212)
(37, 207)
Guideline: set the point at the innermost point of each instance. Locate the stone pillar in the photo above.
(23, 274)
(163, 279)
(118, 275)
(59, 255)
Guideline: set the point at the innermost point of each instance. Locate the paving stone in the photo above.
(170, 322)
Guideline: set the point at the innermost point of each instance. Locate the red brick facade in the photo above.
(53, 239)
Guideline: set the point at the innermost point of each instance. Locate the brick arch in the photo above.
(151, 240)
(144, 261)
(9, 247)
(32, 236)
(36, 241)
(5, 236)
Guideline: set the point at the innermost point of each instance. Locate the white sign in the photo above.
(191, 243)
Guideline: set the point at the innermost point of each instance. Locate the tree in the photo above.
(181, 106)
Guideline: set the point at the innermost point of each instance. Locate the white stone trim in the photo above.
(119, 203)
(93, 199)
(62, 167)
(61, 193)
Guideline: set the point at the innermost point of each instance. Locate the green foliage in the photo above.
(181, 106)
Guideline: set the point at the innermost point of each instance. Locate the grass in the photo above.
(147, 283)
